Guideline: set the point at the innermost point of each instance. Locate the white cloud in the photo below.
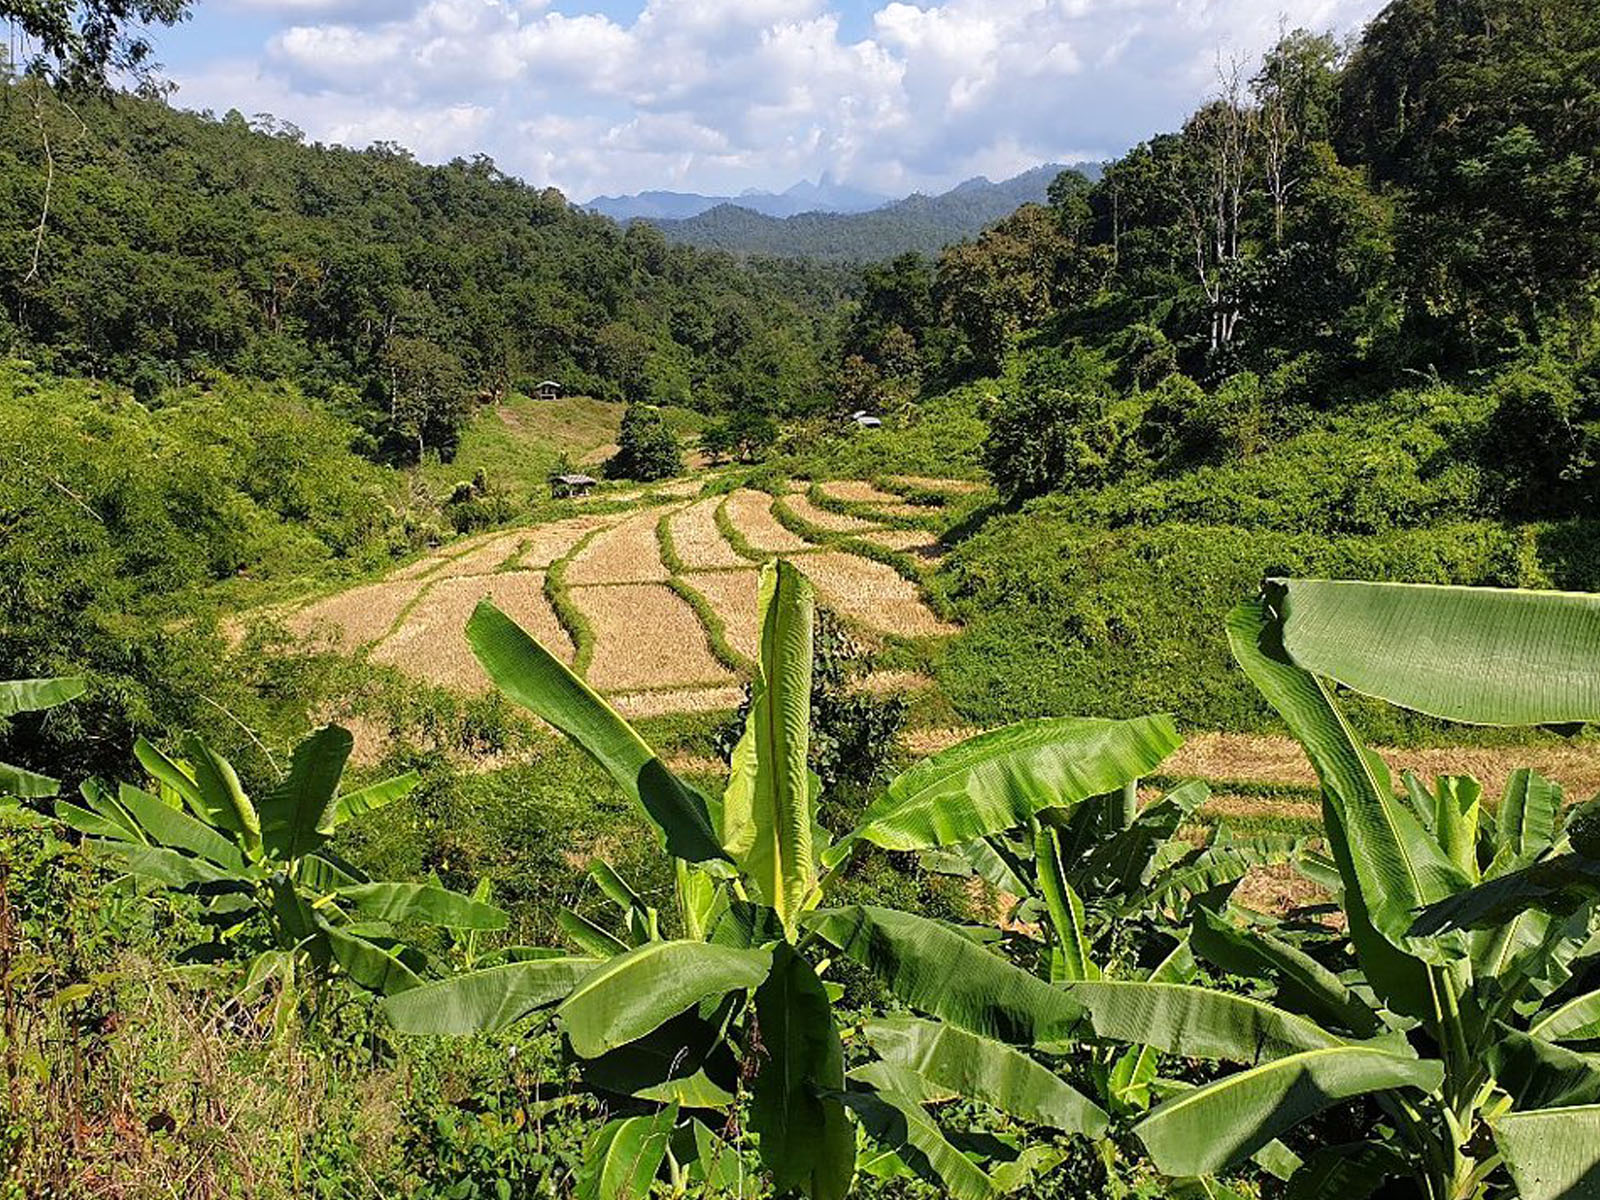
(726, 94)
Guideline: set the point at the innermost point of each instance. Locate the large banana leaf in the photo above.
(223, 794)
(625, 1156)
(1390, 865)
(369, 799)
(938, 971)
(165, 866)
(767, 818)
(1305, 985)
(997, 780)
(176, 829)
(1575, 1020)
(805, 1137)
(374, 967)
(37, 695)
(295, 815)
(1195, 1022)
(686, 1059)
(987, 1071)
(1526, 820)
(25, 784)
(1220, 1125)
(635, 992)
(1487, 656)
(1539, 1074)
(487, 1000)
(533, 677)
(899, 1124)
(1552, 1153)
(421, 902)
(1550, 885)
(1070, 958)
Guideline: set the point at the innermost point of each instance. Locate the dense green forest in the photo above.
(155, 247)
(1343, 324)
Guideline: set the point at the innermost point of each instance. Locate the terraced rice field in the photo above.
(833, 522)
(646, 636)
(431, 644)
(360, 616)
(733, 596)
(627, 552)
(751, 514)
(698, 541)
(648, 647)
(874, 594)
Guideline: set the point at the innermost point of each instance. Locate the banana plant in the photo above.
(32, 695)
(262, 873)
(734, 1018)
(1450, 1004)
(1469, 1044)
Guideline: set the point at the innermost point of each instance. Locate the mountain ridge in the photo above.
(917, 222)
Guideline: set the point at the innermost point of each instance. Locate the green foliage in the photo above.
(261, 874)
(1059, 430)
(1542, 439)
(82, 44)
(1439, 851)
(647, 449)
(180, 244)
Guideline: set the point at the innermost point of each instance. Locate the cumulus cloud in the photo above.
(726, 94)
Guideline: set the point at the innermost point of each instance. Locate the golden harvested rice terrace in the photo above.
(652, 615)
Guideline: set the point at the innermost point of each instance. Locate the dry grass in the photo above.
(890, 683)
(1280, 889)
(735, 597)
(833, 522)
(698, 541)
(926, 483)
(361, 615)
(625, 553)
(1260, 759)
(422, 568)
(751, 514)
(646, 636)
(636, 705)
(910, 541)
(858, 491)
(873, 594)
(486, 556)
(432, 643)
(546, 543)
(679, 489)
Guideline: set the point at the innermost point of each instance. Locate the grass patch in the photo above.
(669, 552)
(567, 612)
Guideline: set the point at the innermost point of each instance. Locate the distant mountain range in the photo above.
(823, 196)
(918, 222)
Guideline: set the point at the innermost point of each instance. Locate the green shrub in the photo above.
(647, 449)
(1542, 443)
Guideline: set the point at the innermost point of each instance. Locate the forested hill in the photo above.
(173, 245)
(925, 224)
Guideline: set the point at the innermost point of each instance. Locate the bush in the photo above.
(647, 450)
(1543, 440)
(1057, 429)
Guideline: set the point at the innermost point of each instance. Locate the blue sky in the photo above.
(597, 96)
